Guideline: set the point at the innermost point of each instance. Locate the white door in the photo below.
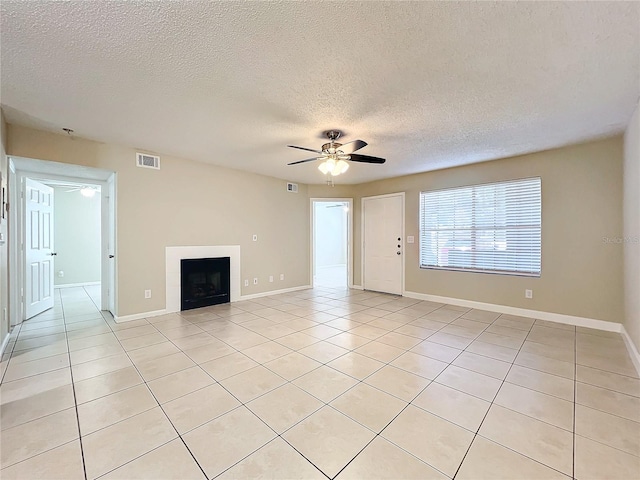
(383, 220)
(38, 247)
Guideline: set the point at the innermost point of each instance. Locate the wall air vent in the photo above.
(145, 160)
(292, 187)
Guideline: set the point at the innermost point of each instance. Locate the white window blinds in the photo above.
(484, 228)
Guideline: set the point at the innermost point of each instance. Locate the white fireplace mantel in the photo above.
(173, 256)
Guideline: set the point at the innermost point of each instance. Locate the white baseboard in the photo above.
(71, 285)
(522, 312)
(356, 287)
(156, 313)
(273, 292)
(138, 316)
(631, 348)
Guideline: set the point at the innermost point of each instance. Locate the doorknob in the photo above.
(53, 254)
(397, 253)
(111, 256)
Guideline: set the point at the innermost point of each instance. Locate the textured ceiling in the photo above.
(427, 84)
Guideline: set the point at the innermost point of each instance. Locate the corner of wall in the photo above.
(631, 229)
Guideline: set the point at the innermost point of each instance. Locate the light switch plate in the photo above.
(410, 239)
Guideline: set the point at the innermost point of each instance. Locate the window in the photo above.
(493, 228)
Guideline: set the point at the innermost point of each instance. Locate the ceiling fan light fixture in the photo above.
(333, 165)
(341, 167)
(323, 168)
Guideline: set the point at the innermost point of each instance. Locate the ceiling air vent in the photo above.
(292, 187)
(145, 160)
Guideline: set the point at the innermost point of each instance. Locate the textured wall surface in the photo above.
(428, 84)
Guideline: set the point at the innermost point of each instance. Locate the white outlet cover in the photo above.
(282, 276)
(255, 238)
(246, 283)
(147, 294)
(528, 293)
(270, 278)
(410, 239)
(255, 281)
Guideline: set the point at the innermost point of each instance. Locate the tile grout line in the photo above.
(348, 351)
(73, 387)
(159, 405)
(477, 432)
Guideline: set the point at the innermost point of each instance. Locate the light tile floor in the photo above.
(315, 384)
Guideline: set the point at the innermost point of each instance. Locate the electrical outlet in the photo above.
(246, 283)
(282, 276)
(528, 293)
(270, 278)
(147, 294)
(255, 237)
(255, 281)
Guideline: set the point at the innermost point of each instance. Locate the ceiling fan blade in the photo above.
(304, 148)
(352, 146)
(366, 159)
(303, 161)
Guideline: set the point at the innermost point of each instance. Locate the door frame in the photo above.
(404, 239)
(312, 202)
(21, 168)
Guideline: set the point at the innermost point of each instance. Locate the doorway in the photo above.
(331, 239)
(383, 243)
(77, 233)
(65, 220)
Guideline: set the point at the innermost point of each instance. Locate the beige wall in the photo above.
(187, 203)
(4, 257)
(632, 228)
(77, 238)
(582, 203)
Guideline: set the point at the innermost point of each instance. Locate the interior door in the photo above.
(38, 248)
(383, 231)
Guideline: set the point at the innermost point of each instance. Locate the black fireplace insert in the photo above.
(204, 282)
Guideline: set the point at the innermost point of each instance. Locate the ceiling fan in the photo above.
(334, 156)
(86, 191)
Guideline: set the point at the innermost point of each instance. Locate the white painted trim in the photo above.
(138, 316)
(71, 285)
(404, 236)
(522, 312)
(37, 170)
(356, 287)
(5, 343)
(349, 236)
(173, 255)
(274, 292)
(631, 348)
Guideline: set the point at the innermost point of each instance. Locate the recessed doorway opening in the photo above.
(331, 237)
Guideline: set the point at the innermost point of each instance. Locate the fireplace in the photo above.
(204, 282)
